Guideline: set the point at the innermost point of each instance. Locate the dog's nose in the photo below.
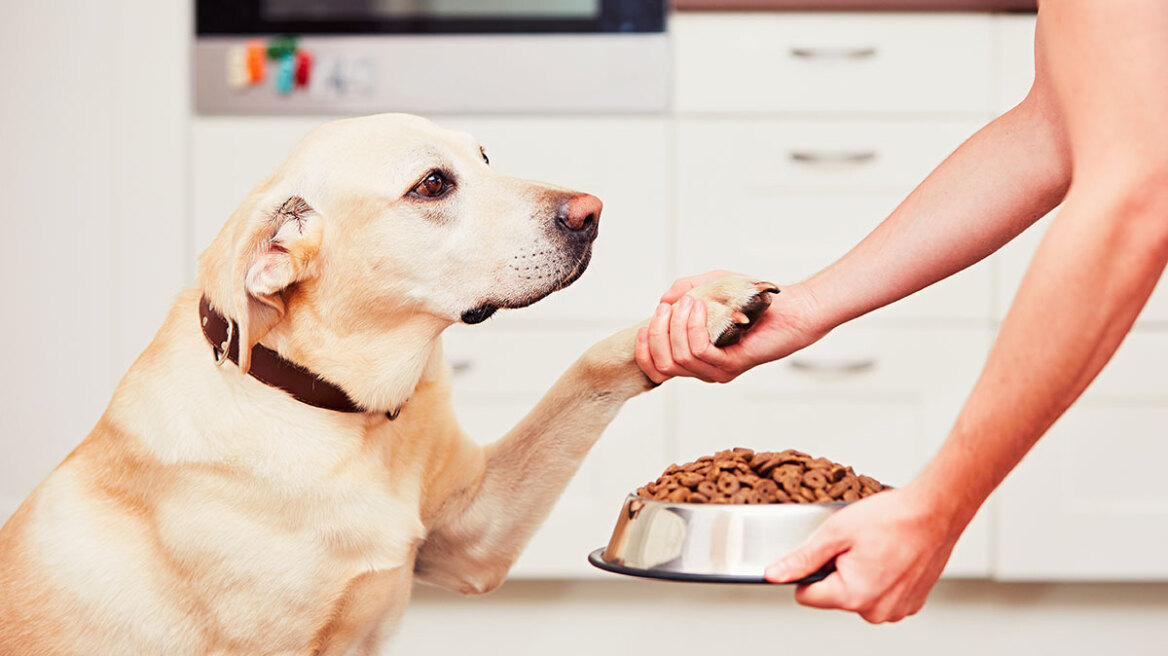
(580, 215)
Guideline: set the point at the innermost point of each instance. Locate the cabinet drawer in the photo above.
(762, 157)
(846, 63)
(882, 401)
(787, 238)
(502, 376)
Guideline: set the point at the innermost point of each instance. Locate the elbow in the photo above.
(1131, 197)
(483, 583)
(1037, 121)
(1140, 202)
(462, 572)
(470, 583)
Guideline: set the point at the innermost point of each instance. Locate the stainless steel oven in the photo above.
(430, 56)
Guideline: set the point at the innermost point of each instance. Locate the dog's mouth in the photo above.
(481, 313)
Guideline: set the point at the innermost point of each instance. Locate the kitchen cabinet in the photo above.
(846, 63)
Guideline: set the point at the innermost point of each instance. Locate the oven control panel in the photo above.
(509, 73)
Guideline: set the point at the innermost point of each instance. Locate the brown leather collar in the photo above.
(270, 369)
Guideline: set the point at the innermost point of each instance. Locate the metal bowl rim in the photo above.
(746, 507)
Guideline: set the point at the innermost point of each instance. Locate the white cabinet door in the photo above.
(499, 376)
(621, 160)
(877, 399)
(791, 62)
(1089, 502)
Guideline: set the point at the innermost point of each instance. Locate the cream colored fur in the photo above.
(208, 513)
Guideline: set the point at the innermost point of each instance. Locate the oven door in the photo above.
(239, 17)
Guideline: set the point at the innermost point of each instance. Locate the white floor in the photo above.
(650, 618)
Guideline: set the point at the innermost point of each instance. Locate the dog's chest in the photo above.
(332, 555)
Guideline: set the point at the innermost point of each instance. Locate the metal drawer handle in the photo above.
(461, 366)
(847, 367)
(834, 53)
(841, 157)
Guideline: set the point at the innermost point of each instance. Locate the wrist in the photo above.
(800, 308)
(947, 497)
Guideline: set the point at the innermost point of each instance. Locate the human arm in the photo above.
(1001, 180)
(1087, 283)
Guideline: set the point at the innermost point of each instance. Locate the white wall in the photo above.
(92, 175)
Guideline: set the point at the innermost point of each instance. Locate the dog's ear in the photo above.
(277, 251)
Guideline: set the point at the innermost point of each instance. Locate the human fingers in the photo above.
(824, 544)
(831, 592)
(645, 360)
(701, 347)
(660, 349)
(684, 361)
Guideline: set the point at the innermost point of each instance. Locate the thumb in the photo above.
(817, 551)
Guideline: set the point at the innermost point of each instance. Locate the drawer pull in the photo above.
(834, 53)
(461, 366)
(845, 367)
(841, 157)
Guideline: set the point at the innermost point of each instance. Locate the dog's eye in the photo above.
(483, 152)
(432, 186)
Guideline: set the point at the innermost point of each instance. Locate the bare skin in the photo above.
(1090, 134)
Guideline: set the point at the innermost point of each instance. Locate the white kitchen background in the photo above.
(765, 163)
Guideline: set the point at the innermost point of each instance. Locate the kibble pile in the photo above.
(742, 476)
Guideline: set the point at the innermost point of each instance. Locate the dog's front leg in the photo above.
(478, 535)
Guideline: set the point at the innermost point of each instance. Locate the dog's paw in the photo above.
(733, 304)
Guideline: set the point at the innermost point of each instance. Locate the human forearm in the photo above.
(991, 188)
(997, 183)
(1052, 343)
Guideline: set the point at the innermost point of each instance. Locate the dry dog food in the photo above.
(743, 476)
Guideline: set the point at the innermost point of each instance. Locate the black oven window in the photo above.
(313, 10)
(275, 17)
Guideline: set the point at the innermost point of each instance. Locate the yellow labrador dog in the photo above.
(282, 460)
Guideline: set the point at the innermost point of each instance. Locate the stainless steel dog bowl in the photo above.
(708, 543)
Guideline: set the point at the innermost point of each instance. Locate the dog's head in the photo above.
(376, 218)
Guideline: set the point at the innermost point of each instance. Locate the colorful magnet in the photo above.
(237, 77)
(280, 46)
(285, 74)
(256, 56)
(303, 68)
